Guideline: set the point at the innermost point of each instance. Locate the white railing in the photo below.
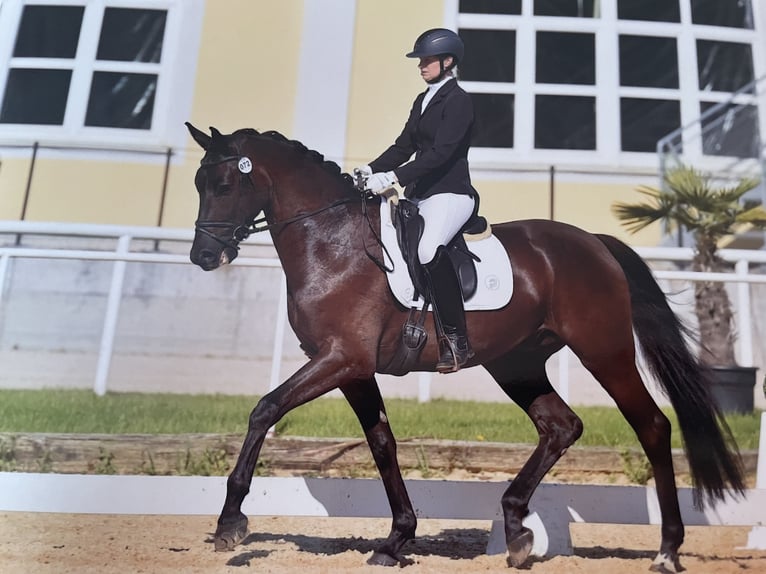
(123, 254)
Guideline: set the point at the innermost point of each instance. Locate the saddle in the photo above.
(409, 229)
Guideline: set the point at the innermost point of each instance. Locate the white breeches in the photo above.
(444, 214)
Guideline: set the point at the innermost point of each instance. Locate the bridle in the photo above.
(239, 232)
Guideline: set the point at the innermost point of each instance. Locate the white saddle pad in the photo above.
(493, 272)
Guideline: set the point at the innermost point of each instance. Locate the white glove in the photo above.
(364, 170)
(379, 182)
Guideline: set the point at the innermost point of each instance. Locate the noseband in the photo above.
(239, 232)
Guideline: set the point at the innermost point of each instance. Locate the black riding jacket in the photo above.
(439, 138)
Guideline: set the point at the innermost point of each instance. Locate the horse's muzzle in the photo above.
(209, 260)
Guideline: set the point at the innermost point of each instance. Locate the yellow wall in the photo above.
(384, 82)
(586, 205)
(122, 194)
(13, 181)
(247, 76)
(248, 65)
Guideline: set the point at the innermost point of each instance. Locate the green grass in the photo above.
(67, 411)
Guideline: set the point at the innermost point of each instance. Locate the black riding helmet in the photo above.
(439, 42)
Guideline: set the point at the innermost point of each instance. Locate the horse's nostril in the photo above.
(205, 258)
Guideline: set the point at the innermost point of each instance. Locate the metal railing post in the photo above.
(110, 320)
(163, 194)
(4, 260)
(28, 188)
(279, 340)
(744, 320)
(563, 379)
(279, 335)
(424, 387)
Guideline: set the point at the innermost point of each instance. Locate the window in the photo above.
(649, 10)
(732, 132)
(490, 55)
(565, 58)
(95, 70)
(577, 8)
(493, 124)
(565, 122)
(733, 13)
(724, 66)
(48, 32)
(491, 6)
(603, 81)
(644, 121)
(648, 62)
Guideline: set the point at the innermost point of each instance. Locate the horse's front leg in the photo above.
(324, 372)
(364, 397)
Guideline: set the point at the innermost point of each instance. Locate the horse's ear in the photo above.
(216, 133)
(199, 136)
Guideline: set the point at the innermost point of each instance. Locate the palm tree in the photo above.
(691, 201)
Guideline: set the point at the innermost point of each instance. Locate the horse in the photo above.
(589, 292)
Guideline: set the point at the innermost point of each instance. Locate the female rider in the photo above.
(438, 133)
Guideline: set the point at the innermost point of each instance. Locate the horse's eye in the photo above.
(223, 188)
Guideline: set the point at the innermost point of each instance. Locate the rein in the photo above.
(240, 232)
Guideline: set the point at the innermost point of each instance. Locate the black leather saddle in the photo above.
(409, 229)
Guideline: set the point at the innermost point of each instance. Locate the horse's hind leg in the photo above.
(620, 378)
(523, 378)
(364, 397)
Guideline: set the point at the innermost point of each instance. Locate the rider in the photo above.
(438, 132)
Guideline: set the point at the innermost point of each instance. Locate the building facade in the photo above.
(571, 96)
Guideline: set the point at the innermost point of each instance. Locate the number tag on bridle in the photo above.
(245, 165)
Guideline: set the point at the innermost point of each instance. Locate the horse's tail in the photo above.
(714, 460)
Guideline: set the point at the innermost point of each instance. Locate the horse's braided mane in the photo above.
(328, 165)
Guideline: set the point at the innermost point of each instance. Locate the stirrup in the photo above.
(454, 352)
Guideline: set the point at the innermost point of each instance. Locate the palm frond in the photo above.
(692, 200)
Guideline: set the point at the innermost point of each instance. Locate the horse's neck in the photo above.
(326, 241)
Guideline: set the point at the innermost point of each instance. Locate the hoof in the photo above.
(383, 559)
(666, 564)
(520, 547)
(228, 535)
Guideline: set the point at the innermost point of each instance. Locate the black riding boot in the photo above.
(447, 299)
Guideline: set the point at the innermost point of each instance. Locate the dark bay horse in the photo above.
(589, 292)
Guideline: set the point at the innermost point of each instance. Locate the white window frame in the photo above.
(608, 155)
(175, 84)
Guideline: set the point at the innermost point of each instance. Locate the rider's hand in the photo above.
(380, 182)
(363, 170)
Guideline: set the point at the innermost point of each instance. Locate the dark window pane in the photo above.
(493, 124)
(566, 58)
(648, 62)
(34, 96)
(490, 55)
(48, 32)
(731, 131)
(733, 13)
(643, 122)
(565, 122)
(651, 10)
(131, 35)
(490, 6)
(577, 8)
(120, 100)
(724, 66)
